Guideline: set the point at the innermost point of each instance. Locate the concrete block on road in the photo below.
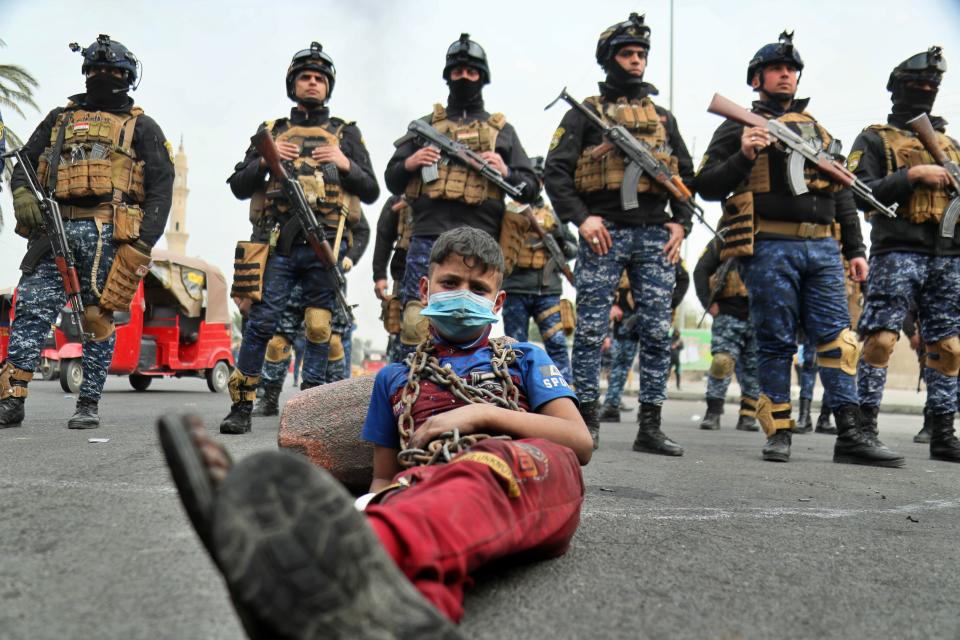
(324, 423)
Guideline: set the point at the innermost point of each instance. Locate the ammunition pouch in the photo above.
(249, 265)
(513, 228)
(414, 328)
(242, 388)
(98, 322)
(736, 223)
(944, 356)
(773, 416)
(878, 347)
(568, 317)
(126, 223)
(842, 353)
(128, 269)
(391, 312)
(14, 381)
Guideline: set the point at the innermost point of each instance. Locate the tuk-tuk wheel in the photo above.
(140, 382)
(71, 375)
(218, 376)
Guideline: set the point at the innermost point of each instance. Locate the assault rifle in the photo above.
(426, 136)
(640, 160)
(313, 231)
(550, 243)
(799, 152)
(55, 231)
(722, 274)
(928, 136)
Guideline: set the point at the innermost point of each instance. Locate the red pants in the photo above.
(459, 516)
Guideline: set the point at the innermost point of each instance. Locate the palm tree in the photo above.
(16, 90)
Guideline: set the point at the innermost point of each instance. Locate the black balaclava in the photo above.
(623, 83)
(465, 95)
(107, 91)
(910, 101)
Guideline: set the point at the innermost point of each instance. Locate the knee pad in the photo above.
(336, 348)
(944, 356)
(413, 326)
(13, 382)
(878, 347)
(99, 322)
(318, 325)
(773, 416)
(722, 365)
(242, 387)
(278, 349)
(840, 353)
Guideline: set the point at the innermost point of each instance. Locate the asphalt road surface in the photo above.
(716, 544)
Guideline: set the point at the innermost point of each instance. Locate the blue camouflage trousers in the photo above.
(639, 250)
(897, 282)
(517, 311)
(623, 351)
(40, 297)
(289, 326)
(282, 273)
(807, 361)
(417, 265)
(735, 337)
(796, 283)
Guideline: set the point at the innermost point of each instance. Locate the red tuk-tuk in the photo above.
(6, 319)
(178, 325)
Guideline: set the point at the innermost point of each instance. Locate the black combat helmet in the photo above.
(466, 52)
(109, 54)
(631, 31)
(782, 51)
(927, 66)
(313, 59)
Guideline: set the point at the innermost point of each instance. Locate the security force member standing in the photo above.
(534, 287)
(460, 196)
(333, 166)
(733, 343)
(394, 228)
(790, 261)
(113, 174)
(910, 263)
(645, 241)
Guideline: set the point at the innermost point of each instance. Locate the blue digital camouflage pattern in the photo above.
(282, 273)
(40, 297)
(418, 261)
(807, 366)
(793, 282)
(736, 337)
(899, 281)
(623, 351)
(639, 250)
(289, 326)
(520, 308)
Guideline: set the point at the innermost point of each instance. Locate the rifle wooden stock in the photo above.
(927, 135)
(729, 109)
(267, 147)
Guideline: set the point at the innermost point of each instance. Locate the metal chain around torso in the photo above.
(423, 365)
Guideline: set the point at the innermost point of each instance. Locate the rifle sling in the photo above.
(54, 160)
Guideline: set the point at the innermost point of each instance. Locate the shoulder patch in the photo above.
(169, 148)
(557, 136)
(854, 160)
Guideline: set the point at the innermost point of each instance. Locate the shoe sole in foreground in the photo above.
(847, 459)
(776, 457)
(660, 452)
(189, 473)
(82, 423)
(303, 562)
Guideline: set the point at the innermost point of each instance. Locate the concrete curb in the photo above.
(901, 408)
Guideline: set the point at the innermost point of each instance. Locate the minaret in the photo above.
(177, 228)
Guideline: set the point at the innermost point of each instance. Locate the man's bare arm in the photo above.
(385, 467)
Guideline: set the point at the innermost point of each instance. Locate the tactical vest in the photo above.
(804, 125)
(605, 172)
(326, 199)
(904, 149)
(404, 224)
(456, 181)
(533, 254)
(733, 288)
(97, 159)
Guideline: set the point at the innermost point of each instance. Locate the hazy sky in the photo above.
(213, 71)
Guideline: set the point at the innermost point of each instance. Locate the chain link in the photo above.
(423, 365)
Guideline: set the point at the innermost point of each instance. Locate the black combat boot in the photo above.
(238, 420)
(823, 422)
(269, 404)
(747, 423)
(11, 412)
(610, 413)
(868, 420)
(777, 448)
(589, 411)
(804, 423)
(650, 438)
(925, 434)
(944, 444)
(711, 421)
(857, 443)
(85, 417)
(308, 385)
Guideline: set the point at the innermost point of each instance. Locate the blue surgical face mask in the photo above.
(457, 315)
